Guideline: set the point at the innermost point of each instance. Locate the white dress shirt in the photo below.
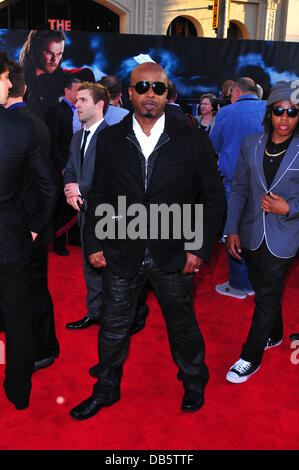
(148, 143)
(91, 130)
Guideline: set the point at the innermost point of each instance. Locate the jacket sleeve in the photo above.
(46, 180)
(216, 133)
(239, 195)
(211, 195)
(95, 197)
(54, 126)
(70, 174)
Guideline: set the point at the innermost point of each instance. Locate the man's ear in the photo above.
(130, 93)
(100, 105)
(2, 93)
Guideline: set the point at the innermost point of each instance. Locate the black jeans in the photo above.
(266, 273)
(174, 293)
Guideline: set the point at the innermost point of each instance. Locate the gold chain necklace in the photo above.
(274, 154)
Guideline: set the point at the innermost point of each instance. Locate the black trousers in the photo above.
(93, 281)
(44, 335)
(266, 273)
(174, 293)
(16, 314)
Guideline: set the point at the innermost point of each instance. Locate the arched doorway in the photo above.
(237, 30)
(34, 14)
(184, 26)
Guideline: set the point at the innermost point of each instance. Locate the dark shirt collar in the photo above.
(16, 105)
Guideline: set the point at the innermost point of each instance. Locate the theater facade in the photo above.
(249, 19)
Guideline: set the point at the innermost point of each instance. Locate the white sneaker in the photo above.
(226, 289)
(241, 371)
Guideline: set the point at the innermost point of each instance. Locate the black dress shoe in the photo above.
(136, 327)
(43, 363)
(61, 251)
(193, 400)
(81, 324)
(93, 371)
(294, 336)
(20, 405)
(89, 408)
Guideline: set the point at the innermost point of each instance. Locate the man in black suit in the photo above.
(45, 341)
(171, 104)
(150, 159)
(63, 121)
(19, 150)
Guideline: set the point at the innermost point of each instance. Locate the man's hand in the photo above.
(71, 190)
(275, 204)
(233, 245)
(97, 260)
(34, 235)
(72, 194)
(73, 201)
(192, 264)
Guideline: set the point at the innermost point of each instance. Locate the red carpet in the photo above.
(262, 413)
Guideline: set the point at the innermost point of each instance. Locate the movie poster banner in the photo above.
(195, 65)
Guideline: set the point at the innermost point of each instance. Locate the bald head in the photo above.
(148, 100)
(246, 85)
(145, 69)
(243, 86)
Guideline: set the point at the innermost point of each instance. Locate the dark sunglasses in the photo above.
(291, 112)
(142, 87)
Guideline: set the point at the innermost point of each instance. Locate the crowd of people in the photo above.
(78, 150)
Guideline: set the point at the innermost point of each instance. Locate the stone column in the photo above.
(270, 19)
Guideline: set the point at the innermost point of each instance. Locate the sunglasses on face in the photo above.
(142, 87)
(279, 111)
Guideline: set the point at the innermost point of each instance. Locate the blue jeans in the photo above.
(237, 270)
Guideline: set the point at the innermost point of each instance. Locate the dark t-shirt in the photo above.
(272, 161)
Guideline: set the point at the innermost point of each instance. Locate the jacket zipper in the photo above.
(146, 160)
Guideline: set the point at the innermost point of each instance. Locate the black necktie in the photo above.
(86, 133)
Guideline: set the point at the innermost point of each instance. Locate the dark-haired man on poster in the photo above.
(41, 56)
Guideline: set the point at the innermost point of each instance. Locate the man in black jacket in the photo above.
(45, 341)
(171, 104)
(19, 151)
(150, 159)
(63, 121)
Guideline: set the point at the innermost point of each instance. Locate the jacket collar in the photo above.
(93, 140)
(172, 124)
(290, 155)
(246, 98)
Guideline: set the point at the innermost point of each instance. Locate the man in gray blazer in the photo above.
(92, 103)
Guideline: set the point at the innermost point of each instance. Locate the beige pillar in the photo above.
(270, 19)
